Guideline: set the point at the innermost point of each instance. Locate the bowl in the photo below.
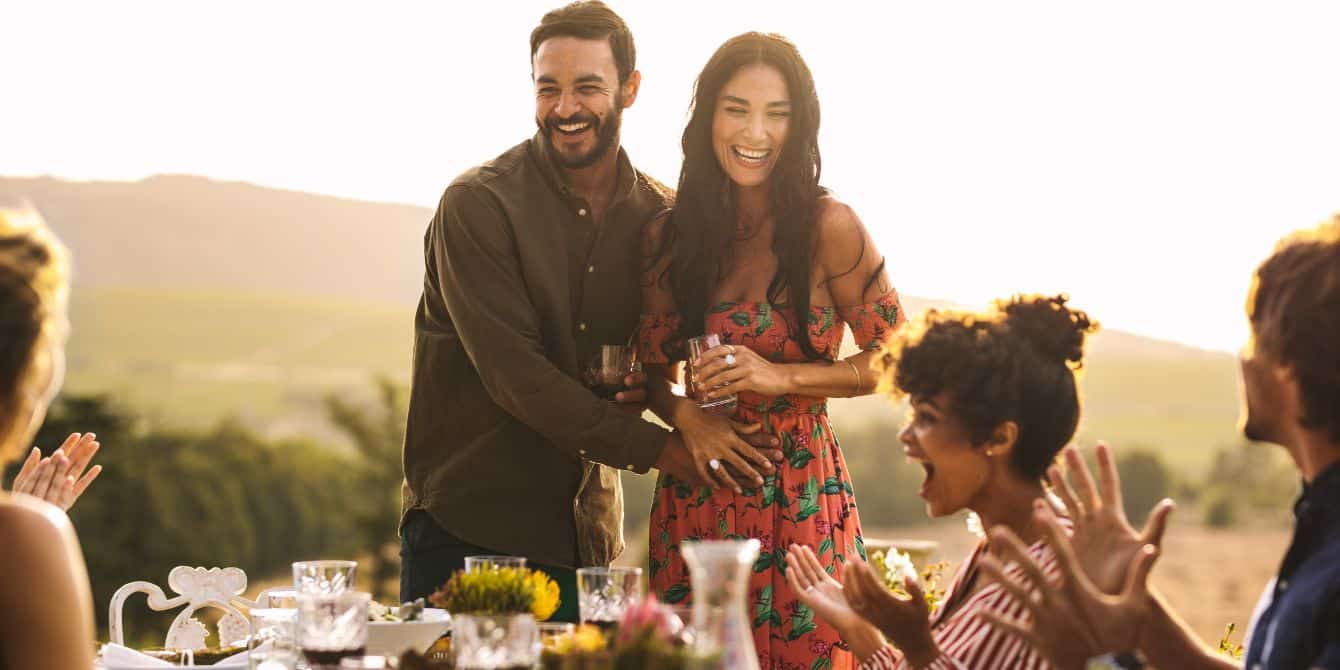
(393, 638)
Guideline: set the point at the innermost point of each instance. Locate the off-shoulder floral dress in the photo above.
(809, 499)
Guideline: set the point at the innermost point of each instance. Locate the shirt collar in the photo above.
(1322, 493)
(626, 177)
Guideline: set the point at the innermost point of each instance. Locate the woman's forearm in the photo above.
(845, 378)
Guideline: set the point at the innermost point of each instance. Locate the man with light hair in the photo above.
(1291, 388)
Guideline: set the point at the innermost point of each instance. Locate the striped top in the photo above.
(965, 640)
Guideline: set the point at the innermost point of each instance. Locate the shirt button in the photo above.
(581, 451)
(581, 212)
(582, 326)
(1284, 585)
(590, 268)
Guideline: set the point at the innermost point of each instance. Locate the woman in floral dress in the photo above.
(757, 252)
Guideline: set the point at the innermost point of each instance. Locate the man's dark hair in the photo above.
(1015, 362)
(589, 20)
(1294, 307)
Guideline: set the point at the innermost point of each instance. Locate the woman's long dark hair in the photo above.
(701, 227)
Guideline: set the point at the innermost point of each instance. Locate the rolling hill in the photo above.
(197, 299)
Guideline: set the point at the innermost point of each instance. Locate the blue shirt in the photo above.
(1297, 625)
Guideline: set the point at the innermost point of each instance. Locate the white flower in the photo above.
(898, 565)
(975, 525)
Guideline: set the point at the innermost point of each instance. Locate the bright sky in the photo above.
(1142, 155)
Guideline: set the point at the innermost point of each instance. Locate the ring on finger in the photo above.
(730, 360)
(714, 464)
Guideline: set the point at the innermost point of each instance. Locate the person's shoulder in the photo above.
(486, 175)
(659, 196)
(32, 527)
(839, 233)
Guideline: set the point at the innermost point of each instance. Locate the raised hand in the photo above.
(816, 589)
(906, 621)
(1072, 620)
(1104, 540)
(60, 478)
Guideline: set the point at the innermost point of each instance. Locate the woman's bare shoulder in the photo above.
(33, 528)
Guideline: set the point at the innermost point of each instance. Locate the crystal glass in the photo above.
(719, 571)
(324, 577)
(605, 373)
(332, 627)
(481, 563)
(698, 346)
(272, 645)
(508, 642)
(282, 599)
(604, 593)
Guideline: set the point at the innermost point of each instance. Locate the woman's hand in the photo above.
(734, 369)
(905, 621)
(724, 451)
(817, 590)
(60, 478)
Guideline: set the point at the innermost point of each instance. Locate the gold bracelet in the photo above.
(856, 372)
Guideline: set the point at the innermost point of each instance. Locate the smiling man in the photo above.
(532, 262)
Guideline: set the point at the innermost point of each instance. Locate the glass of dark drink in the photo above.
(332, 627)
(605, 373)
(697, 346)
(604, 593)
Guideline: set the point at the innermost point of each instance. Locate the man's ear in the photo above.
(630, 88)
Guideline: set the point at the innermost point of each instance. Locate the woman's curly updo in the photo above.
(1014, 362)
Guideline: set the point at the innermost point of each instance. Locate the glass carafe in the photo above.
(719, 570)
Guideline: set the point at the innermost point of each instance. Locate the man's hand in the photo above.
(1072, 619)
(60, 478)
(1103, 539)
(633, 399)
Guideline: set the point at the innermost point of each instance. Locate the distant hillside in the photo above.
(181, 231)
(198, 298)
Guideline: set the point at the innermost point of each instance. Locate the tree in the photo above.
(1145, 480)
(378, 434)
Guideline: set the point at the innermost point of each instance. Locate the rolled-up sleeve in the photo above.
(479, 274)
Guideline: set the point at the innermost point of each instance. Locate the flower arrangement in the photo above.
(649, 636)
(499, 592)
(896, 567)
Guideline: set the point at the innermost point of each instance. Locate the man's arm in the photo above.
(479, 275)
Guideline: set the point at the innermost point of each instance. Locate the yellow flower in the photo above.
(546, 595)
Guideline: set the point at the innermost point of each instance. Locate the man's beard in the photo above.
(607, 135)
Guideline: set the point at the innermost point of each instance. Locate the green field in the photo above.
(189, 358)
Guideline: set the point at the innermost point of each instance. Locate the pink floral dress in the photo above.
(809, 500)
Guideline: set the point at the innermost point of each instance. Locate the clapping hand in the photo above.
(1072, 620)
(60, 478)
(906, 621)
(1103, 540)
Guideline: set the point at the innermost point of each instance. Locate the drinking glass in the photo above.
(506, 642)
(272, 645)
(604, 593)
(605, 373)
(552, 632)
(698, 346)
(482, 563)
(324, 577)
(332, 627)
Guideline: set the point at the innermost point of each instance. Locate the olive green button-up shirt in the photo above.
(505, 448)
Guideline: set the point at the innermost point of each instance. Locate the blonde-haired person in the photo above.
(46, 609)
